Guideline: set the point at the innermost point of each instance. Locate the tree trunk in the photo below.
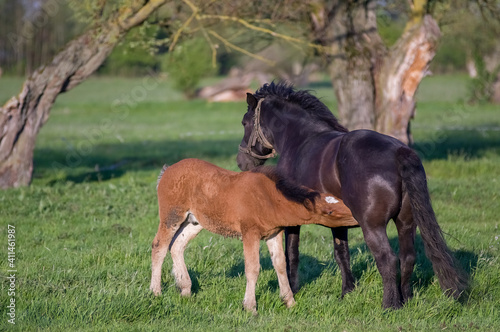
(348, 30)
(495, 97)
(398, 77)
(375, 87)
(23, 115)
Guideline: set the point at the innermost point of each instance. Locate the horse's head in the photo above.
(255, 148)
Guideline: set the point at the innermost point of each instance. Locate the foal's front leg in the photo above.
(252, 267)
(275, 245)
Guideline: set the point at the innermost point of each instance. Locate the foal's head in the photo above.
(313, 201)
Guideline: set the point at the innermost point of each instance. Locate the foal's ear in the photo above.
(332, 206)
(251, 100)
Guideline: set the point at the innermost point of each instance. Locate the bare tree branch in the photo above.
(239, 49)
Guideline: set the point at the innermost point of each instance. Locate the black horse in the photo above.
(378, 177)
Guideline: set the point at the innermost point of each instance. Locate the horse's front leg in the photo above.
(292, 256)
(252, 267)
(275, 245)
(185, 234)
(343, 259)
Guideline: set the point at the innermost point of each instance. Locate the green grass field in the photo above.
(83, 229)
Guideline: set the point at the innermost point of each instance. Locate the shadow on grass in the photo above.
(108, 161)
(467, 143)
(113, 160)
(314, 269)
(422, 276)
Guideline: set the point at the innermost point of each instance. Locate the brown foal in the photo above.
(194, 194)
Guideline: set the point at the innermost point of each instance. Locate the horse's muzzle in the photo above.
(246, 162)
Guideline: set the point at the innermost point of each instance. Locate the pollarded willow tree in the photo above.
(375, 84)
(23, 115)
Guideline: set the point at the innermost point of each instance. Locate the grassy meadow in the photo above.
(83, 229)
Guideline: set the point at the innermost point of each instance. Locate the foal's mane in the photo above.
(302, 98)
(292, 191)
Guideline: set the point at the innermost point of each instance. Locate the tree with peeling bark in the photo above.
(375, 85)
(23, 115)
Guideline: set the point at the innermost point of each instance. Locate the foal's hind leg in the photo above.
(166, 231)
(275, 245)
(406, 235)
(185, 234)
(343, 259)
(158, 253)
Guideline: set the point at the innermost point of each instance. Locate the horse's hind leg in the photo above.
(376, 238)
(406, 234)
(166, 231)
(275, 245)
(343, 259)
(185, 234)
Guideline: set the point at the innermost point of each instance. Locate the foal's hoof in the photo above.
(155, 291)
(252, 311)
(290, 303)
(185, 292)
(250, 308)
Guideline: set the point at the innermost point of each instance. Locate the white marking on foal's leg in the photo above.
(275, 245)
(331, 200)
(185, 234)
(157, 257)
(160, 248)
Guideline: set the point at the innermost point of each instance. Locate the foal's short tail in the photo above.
(160, 175)
(452, 279)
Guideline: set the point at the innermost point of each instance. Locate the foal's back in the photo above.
(221, 200)
(197, 182)
(224, 201)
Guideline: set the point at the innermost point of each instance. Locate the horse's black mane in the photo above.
(292, 191)
(302, 98)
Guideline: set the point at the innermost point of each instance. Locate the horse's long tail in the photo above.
(452, 279)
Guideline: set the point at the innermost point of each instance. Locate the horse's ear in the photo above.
(251, 100)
